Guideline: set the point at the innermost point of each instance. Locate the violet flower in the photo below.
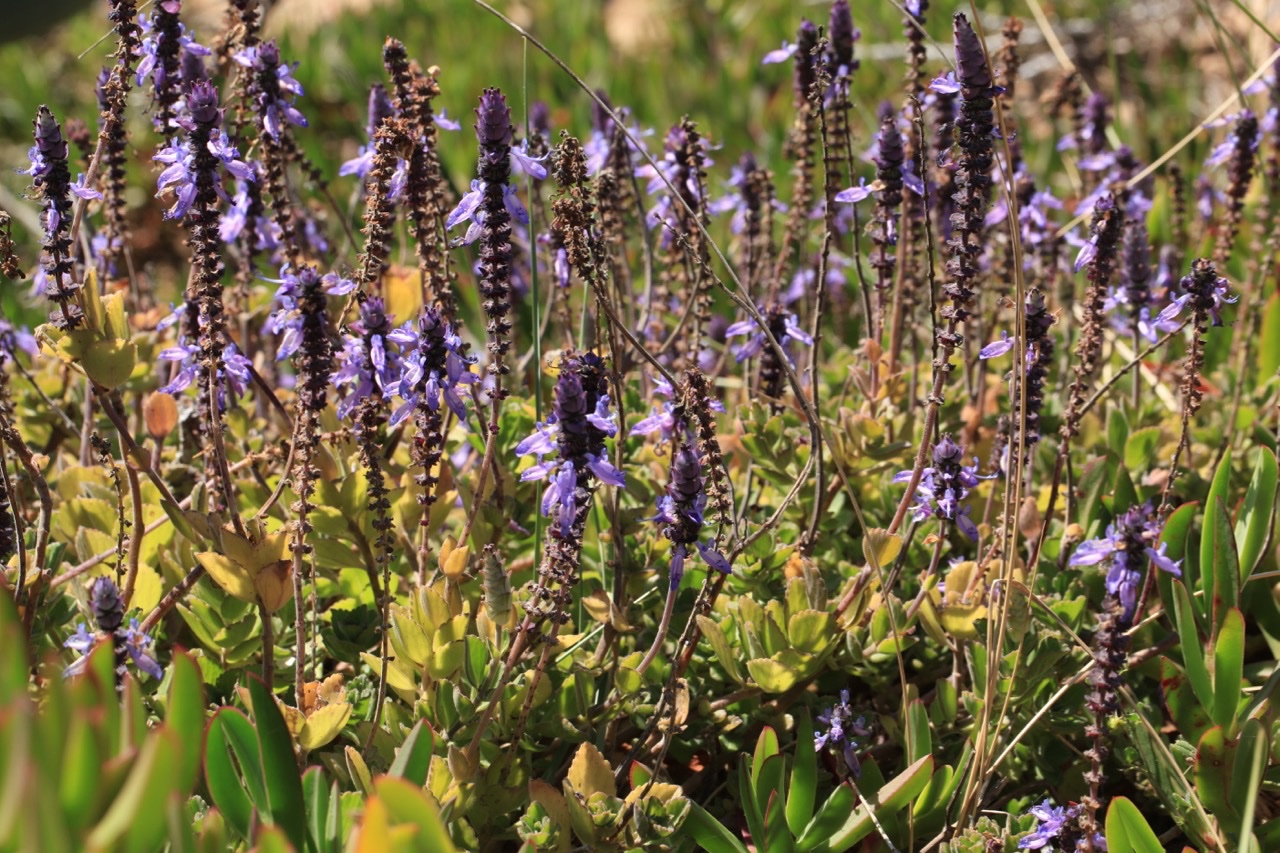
(234, 374)
(435, 363)
(682, 509)
(1214, 299)
(179, 175)
(1058, 829)
(1127, 547)
(369, 365)
(275, 85)
(944, 485)
(662, 419)
(755, 344)
(574, 432)
(108, 613)
(838, 728)
(288, 320)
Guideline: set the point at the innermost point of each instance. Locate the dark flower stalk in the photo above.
(162, 62)
(241, 31)
(842, 35)
(906, 293)
(800, 150)
(426, 193)
(1039, 358)
(272, 90)
(436, 366)
(973, 181)
(1100, 254)
(1241, 161)
(681, 512)
(306, 321)
(371, 368)
(575, 230)
(195, 173)
(392, 139)
(1177, 217)
(683, 214)
(884, 225)
(575, 434)
(51, 180)
(700, 402)
(754, 220)
(943, 139)
(1128, 549)
(1205, 292)
(112, 138)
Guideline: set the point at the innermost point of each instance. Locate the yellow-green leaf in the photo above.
(590, 772)
(324, 725)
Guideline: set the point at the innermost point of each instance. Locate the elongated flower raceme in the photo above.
(974, 132)
(574, 435)
(129, 644)
(944, 485)
(681, 511)
(1128, 547)
(495, 133)
(51, 180)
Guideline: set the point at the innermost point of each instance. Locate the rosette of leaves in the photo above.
(783, 642)
(436, 655)
(254, 568)
(101, 347)
(588, 806)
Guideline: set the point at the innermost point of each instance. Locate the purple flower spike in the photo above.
(837, 728)
(575, 432)
(971, 61)
(493, 120)
(944, 485)
(1128, 546)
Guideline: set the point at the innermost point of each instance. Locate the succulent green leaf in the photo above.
(1253, 527)
(1128, 831)
(279, 766)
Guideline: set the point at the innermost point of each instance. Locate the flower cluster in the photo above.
(839, 728)
(369, 365)
(1128, 545)
(681, 510)
(575, 433)
(234, 375)
(180, 158)
(1202, 293)
(434, 363)
(275, 87)
(108, 613)
(944, 485)
(662, 419)
(1058, 829)
(287, 319)
(790, 327)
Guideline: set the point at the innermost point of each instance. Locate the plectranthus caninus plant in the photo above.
(373, 507)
